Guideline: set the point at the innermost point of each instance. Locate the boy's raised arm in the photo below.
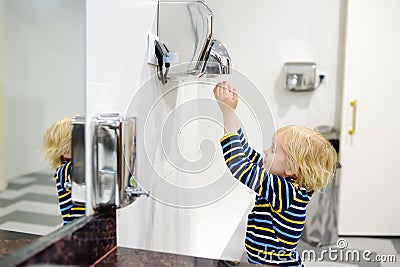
(228, 99)
(277, 190)
(250, 153)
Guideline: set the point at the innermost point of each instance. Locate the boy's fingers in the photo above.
(235, 94)
(229, 89)
(225, 85)
(229, 86)
(226, 92)
(221, 91)
(217, 90)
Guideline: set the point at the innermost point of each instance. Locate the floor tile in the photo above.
(32, 218)
(30, 197)
(378, 245)
(40, 174)
(31, 206)
(43, 189)
(23, 180)
(391, 264)
(396, 244)
(27, 228)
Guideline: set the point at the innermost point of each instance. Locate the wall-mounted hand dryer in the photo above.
(186, 29)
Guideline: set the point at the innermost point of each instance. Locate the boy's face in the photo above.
(274, 160)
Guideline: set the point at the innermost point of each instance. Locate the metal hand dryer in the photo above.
(186, 28)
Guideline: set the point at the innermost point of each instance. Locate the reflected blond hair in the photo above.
(309, 155)
(57, 141)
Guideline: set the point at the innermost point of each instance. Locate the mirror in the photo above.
(42, 80)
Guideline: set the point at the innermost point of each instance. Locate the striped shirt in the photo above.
(275, 224)
(69, 210)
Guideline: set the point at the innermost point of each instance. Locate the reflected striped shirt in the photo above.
(276, 222)
(69, 211)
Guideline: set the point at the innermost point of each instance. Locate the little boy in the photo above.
(299, 162)
(57, 151)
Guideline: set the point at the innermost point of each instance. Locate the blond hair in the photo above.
(309, 155)
(57, 141)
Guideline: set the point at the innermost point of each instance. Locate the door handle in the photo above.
(352, 129)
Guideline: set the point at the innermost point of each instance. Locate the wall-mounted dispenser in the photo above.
(114, 155)
(113, 162)
(186, 28)
(301, 76)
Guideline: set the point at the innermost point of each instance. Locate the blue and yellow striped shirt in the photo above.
(69, 211)
(276, 222)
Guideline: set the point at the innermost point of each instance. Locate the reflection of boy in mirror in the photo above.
(57, 151)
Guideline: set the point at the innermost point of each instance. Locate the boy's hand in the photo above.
(227, 97)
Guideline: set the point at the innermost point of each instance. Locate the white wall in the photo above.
(3, 181)
(263, 35)
(116, 45)
(43, 75)
(289, 30)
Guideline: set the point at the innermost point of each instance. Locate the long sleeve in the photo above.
(249, 152)
(64, 195)
(278, 191)
(69, 211)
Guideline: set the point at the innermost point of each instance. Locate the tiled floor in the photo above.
(29, 207)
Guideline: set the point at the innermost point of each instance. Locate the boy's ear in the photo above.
(291, 173)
